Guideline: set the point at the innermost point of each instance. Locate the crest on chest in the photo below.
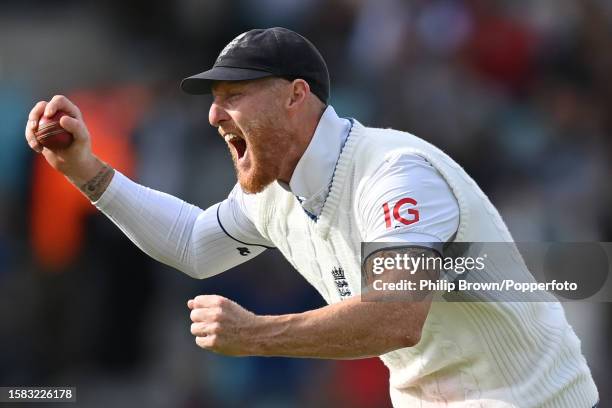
(341, 283)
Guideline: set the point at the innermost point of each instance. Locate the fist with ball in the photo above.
(51, 135)
(56, 129)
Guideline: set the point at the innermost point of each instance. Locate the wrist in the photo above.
(86, 170)
(256, 336)
(93, 178)
(266, 335)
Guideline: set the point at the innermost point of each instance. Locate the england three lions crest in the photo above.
(341, 283)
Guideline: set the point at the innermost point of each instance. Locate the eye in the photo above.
(233, 96)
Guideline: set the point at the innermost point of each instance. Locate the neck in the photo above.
(303, 130)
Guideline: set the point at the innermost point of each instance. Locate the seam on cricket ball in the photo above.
(47, 135)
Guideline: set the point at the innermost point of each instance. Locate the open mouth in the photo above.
(238, 143)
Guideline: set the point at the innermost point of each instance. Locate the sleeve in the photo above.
(235, 218)
(176, 233)
(408, 201)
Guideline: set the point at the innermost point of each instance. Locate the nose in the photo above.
(216, 115)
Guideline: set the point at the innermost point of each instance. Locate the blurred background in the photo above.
(517, 92)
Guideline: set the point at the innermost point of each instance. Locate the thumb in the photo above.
(74, 126)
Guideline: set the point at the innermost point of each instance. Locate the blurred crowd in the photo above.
(517, 92)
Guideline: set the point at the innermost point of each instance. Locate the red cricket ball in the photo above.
(51, 135)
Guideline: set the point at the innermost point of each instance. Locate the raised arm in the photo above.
(165, 227)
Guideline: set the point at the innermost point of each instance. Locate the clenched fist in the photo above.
(76, 162)
(223, 326)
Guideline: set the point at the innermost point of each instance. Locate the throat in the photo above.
(240, 146)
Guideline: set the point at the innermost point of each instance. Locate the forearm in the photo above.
(346, 330)
(170, 230)
(159, 224)
(91, 177)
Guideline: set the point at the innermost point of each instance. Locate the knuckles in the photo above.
(208, 315)
(210, 301)
(61, 101)
(36, 111)
(199, 300)
(211, 315)
(59, 98)
(215, 315)
(210, 341)
(215, 328)
(213, 341)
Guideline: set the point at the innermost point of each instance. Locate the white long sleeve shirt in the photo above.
(408, 201)
(387, 186)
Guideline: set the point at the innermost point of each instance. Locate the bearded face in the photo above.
(252, 126)
(257, 151)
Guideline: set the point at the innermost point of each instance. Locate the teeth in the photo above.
(230, 136)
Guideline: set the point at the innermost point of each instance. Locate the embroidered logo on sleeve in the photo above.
(403, 213)
(244, 251)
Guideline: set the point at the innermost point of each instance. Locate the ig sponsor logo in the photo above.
(404, 213)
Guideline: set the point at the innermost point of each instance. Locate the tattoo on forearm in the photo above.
(95, 187)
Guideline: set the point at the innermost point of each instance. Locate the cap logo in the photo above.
(232, 44)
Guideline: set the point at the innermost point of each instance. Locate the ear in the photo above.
(299, 93)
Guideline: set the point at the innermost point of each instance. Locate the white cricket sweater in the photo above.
(471, 354)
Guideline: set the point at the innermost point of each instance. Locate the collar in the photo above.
(314, 171)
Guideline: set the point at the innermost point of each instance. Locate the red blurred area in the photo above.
(502, 49)
(361, 383)
(58, 209)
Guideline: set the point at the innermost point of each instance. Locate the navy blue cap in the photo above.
(263, 53)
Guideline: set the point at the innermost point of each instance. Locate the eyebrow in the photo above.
(232, 89)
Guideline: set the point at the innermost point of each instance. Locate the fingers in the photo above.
(207, 342)
(206, 307)
(210, 301)
(32, 125)
(197, 329)
(31, 137)
(61, 103)
(37, 111)
(72, 125)
(205, 329)
(205, 314)
(205, 332)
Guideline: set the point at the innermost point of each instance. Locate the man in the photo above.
(316, 186)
